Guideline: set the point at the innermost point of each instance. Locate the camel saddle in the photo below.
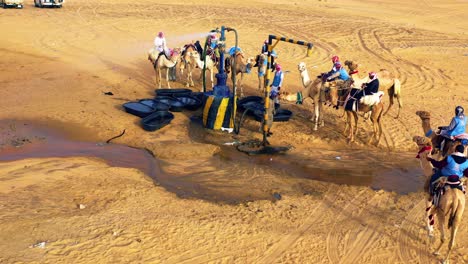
(443, 183)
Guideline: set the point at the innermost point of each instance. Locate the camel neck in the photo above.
(426, 124)
(305, 78)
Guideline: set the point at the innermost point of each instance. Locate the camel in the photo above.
(451, 202)
(210, 65)
(189, 62)
(352, 105)
(312, 89)
(261, 62)
(241, 67)
(449, 145)
(387, 82)
(163, 63)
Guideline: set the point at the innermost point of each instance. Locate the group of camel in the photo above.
(189, 58)
(319, 90)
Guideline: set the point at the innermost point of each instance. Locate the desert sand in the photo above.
(68, 198)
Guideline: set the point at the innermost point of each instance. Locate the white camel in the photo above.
(311, 89)
(209, 65)
(163, 63)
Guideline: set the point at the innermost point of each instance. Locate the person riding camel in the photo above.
(160, 45)
(455, 164)
(457, 126)
(213, 51)
(335, 60)
(371, 95)
(340, 78)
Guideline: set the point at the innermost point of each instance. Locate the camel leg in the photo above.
(454, 230)
(391, 99)
(316, 115)
(211, 76)
(156, 77)
(355, 129)
(399, 105)
(159, 79)
(167, 78)
(430, 217)
(347, 123)
(441, 219)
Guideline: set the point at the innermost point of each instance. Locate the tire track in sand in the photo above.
(361, 235)
(278, 249)
(410, 236)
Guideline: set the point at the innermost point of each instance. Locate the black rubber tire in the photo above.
(156, 120)
(248, 100)
(172, 92)
(175, 104)
(138, 109)
(157, 106)
(190, 102)
(281, 115)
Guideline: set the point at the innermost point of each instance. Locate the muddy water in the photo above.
(229, 176)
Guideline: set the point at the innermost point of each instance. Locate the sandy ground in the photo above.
(56, 65)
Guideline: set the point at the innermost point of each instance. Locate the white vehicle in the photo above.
(51, 3)
(15, 3)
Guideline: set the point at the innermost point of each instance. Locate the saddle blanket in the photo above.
(372, 99)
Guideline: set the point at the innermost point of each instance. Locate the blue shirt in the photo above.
(457, 126)
(278, 79)
(343, 74)
(232, 50)
(453, 168)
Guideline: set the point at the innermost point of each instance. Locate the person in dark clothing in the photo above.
(372, 86)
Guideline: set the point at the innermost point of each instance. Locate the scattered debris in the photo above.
(38, 245)
(81, 206)
(231, 143)
(229, 130)
(277, 196)
(108, 93)
(338, 157)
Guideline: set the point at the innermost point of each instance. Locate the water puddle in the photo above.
(229, 176)
(23, 140)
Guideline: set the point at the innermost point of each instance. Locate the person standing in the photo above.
(274, 94)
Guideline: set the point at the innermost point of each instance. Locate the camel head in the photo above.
(423, 114)
(352, 66)
(302, 66)
(422, 141)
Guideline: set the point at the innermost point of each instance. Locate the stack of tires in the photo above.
(156, 112)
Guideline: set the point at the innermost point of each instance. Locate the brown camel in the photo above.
(352, 106)
(387, 82)
(189, 62)
(240, 67)
(424, 152)
(451, 203)
(436, 139)
(163, 63)
(260, 62)
(312, 89)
